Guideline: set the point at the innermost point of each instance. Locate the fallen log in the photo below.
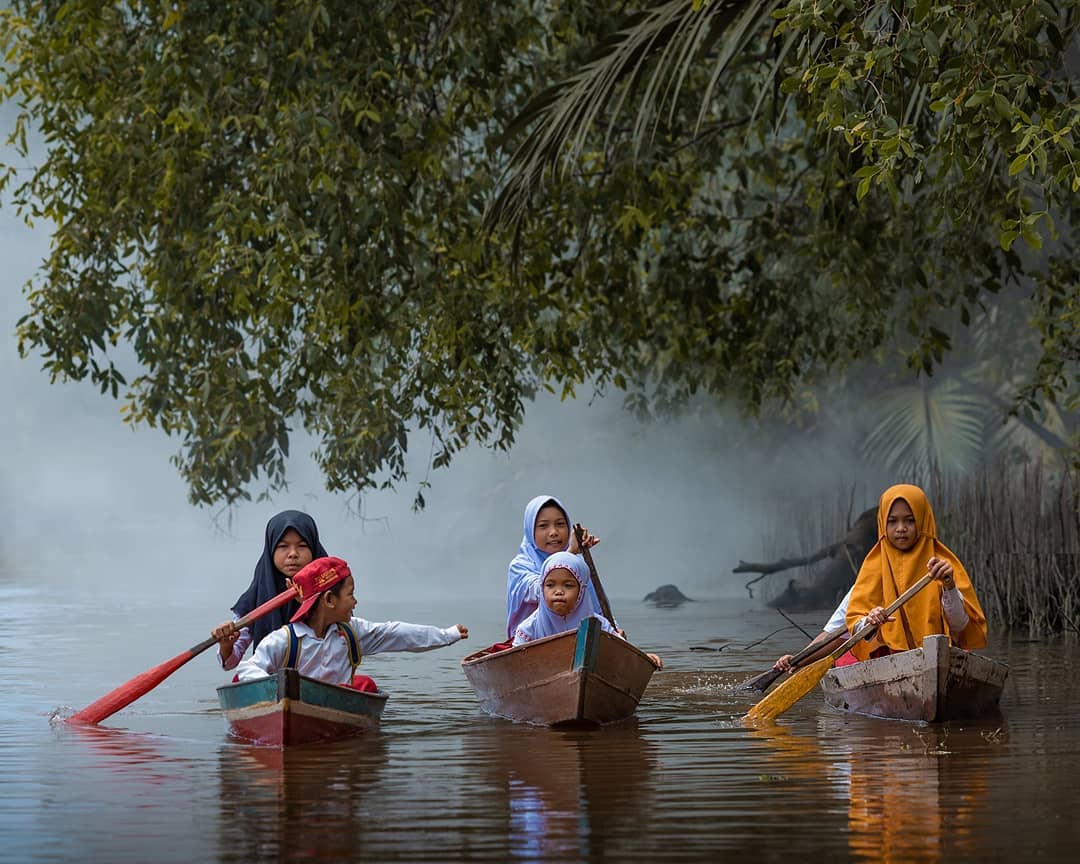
(821, 590)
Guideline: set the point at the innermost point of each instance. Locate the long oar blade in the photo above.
(142, 684)
(127, 693)
(762, 681)
(807, 678)
(790, 691)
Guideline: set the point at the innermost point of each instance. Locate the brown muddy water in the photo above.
(683, 781)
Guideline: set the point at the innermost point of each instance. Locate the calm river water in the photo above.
(441, 782)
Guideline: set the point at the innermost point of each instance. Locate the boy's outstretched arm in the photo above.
(376, 637)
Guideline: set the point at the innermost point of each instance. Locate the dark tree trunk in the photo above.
(823, 589)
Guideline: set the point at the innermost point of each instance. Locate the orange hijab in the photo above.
(887, 572)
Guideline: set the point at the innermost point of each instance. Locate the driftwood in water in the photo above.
(667, 595)
(823, 589)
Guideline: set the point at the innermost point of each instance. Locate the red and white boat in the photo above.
(286, 708)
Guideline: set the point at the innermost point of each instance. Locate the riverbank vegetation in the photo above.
(1017, 528)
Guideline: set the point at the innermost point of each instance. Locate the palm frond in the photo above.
(1044, 433)
(920, 429)
(670, 39)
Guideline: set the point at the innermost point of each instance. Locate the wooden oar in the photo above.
(807, 678)
(762, 681)
(605, 607)
(142, 684)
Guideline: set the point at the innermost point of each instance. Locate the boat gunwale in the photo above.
(478, 657)
(919, 665)
(233, 686)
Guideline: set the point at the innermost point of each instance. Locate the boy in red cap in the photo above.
(325, 642)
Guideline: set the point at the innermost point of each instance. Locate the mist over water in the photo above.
(669, 505)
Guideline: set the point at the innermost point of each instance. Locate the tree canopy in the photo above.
(267, 216)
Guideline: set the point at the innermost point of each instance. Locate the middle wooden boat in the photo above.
(579, 677)
(287, 708)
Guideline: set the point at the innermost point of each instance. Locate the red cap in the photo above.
(315, 578)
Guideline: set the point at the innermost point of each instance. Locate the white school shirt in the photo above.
(838, 622)
(327, 659)
(952, 604)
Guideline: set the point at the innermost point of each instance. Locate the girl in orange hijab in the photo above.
(907, 549)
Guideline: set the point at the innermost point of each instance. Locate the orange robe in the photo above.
(887, 572)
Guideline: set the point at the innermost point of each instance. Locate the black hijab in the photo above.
(268, 581)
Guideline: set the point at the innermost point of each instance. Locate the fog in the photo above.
(90, 504)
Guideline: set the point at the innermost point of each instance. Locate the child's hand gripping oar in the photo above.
(807, 678)
(142, 684)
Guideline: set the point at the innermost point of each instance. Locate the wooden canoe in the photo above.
(286, 708)
(586, 677)
(931, 684)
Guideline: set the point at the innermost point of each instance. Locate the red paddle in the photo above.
(142, 684)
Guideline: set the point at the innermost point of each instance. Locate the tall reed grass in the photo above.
(1017, 530)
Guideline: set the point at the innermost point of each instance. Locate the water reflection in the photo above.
(84, 777)
(138, 761)
(567, 793)
(917, 795)
(298, 803)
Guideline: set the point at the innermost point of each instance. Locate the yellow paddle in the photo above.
(806, 679)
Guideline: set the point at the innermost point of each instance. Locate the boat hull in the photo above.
(587, 677)
(286, 708)
(931, 684)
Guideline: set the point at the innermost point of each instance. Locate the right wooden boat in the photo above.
(585, 677)
(931, 684)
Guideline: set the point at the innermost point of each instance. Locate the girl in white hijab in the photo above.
(547, 529)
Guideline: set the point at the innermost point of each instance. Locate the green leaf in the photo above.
(1018, 164)
(1003, 107)
(930, 42)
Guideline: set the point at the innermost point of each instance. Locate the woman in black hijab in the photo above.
(291, 541)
